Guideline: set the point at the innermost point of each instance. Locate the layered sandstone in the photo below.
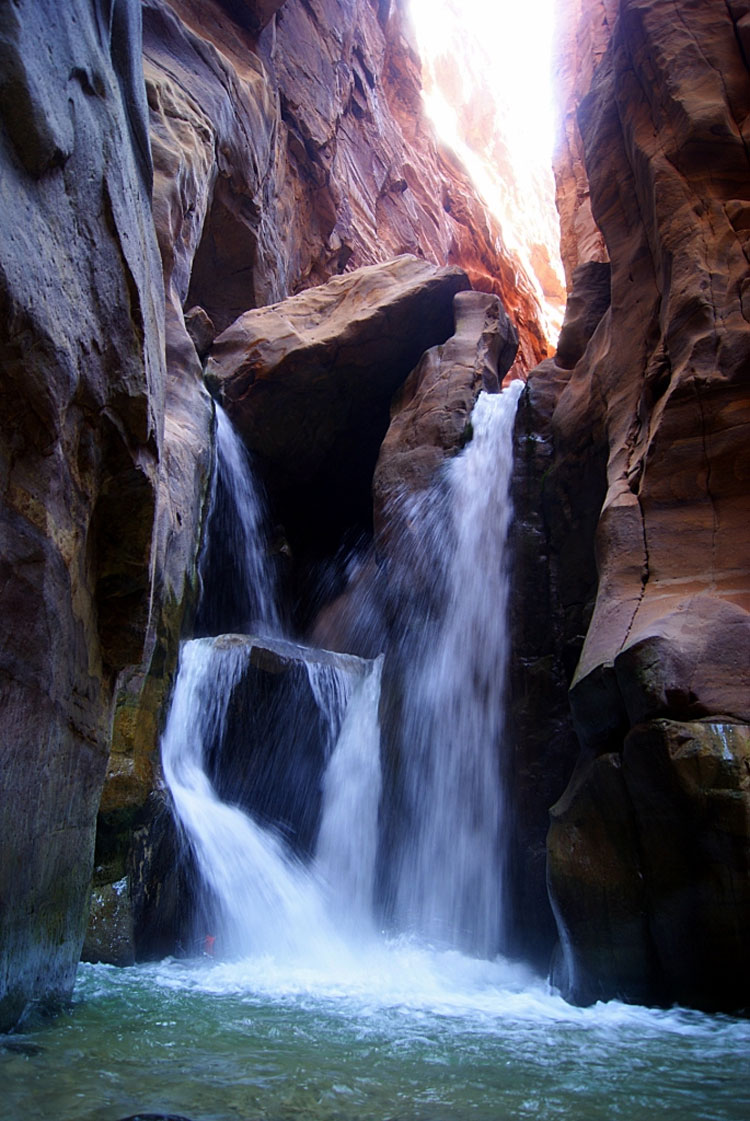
(585, 27)
(657, 409)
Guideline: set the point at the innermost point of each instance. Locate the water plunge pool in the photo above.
(396, 1033)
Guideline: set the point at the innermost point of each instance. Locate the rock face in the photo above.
(308, 384)
(660, 396)
(306, 153)
(80, 428)
(431, 413)
(584, 28)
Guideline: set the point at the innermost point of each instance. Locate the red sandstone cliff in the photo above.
(647, 417)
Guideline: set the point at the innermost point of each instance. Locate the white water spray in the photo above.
(450, 879)
(346, 851)
(449, 883)
(264, 899)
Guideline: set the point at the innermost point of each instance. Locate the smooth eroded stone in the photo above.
(308, 382)
(596, 889)
(81, 418)
(431, 413)
(650, 428)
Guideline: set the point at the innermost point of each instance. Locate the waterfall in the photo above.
(238, 590)
(265, 900)
(346, 850)
(449, 882)
(260, 895)
(270, 888)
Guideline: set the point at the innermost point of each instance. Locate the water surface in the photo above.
(395, 1033)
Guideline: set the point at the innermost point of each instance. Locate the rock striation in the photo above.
(654, 412)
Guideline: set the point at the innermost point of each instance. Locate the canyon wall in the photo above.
(82, 389)
(273, 146)
(642, 509)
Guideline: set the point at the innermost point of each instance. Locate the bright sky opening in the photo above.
(488, 89)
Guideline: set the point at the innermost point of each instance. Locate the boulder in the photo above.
(649, 863)
(282, 722)
(308, 384)
(109, 936)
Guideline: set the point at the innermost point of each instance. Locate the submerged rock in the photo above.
(156, 1117)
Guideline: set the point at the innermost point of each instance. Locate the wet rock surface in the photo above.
(278, 737)
(431, 413)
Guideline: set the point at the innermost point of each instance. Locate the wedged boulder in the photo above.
(430, 415)
(308, 383)
(649, 869)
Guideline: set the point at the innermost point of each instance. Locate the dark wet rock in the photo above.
(155, 1117)
(21, 1047)
(277, 740)
(109, 935)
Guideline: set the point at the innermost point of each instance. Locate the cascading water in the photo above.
(346, 849)
(238, 591)
(319, 1019)
(449, 886)
(262, 897)
(449, 863)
